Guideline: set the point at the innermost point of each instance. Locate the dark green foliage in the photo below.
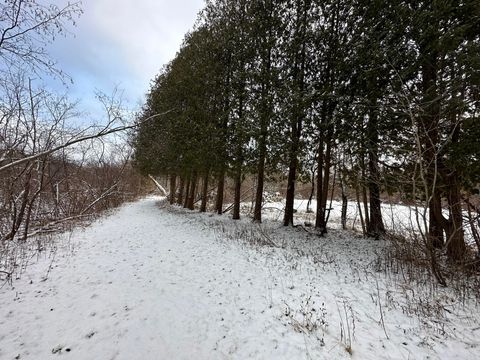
(384, 92)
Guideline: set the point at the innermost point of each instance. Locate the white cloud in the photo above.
(123, 42)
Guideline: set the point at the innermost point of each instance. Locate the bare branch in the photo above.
(69, 143)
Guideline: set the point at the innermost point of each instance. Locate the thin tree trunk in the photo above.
(323, 167)
(239, 153)
(193, 191)
(262, 145)
(326, 181)
(375, 226)
(257, 212)
(474, 224)
(320, 214)
(302, 10)
(364, 191)
(266, 111)
(344, 203)
(290, 197)
(428, 123)
(220, 192)
(173, 186)
(456, 239)
(17, 216)
(238, 194)
(312, 192)
(33, 199)
(187, 191)
(359, 206)
(181, 190)
(203, 206)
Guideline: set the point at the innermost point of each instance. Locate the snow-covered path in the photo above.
(142, 286)
(146, 283)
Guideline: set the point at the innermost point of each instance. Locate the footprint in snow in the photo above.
(59, 348)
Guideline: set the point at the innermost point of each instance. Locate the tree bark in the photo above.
(375, 227)
(181, 190)
(320, 215)
(237, 198)
(173, 188)
(344, 202)
(262, 146)
(257, 212)
(428, 124)
(220, 192)
(323, 168)
(203, 206)
(290, 197)
(297, 113)
(455, 235)
(193, 191)
(187, 191)
(312, 192)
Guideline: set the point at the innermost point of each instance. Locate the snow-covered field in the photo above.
(396, 217)
(153, 283)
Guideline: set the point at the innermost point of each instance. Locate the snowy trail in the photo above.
(141, 286)
(145, 283)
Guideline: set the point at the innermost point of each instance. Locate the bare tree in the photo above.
(26, 27)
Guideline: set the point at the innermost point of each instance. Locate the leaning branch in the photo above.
(157, 184)
(71, 142)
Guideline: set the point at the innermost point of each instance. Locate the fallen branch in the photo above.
(45, 227)
(241, 198)
(157, 184)
(101, 197)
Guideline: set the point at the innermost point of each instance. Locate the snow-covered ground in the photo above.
(153, 283)
(397, 218)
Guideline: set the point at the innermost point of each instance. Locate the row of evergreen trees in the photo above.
(384, 93)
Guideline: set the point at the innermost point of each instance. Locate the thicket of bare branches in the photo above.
(52, 171)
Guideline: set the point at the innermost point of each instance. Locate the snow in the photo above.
(148, 282)
(398, 218)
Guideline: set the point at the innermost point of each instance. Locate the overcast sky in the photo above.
(124, 43)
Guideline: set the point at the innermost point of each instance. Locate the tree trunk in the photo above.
(323, 182)
(326, 179)
(320, 215)
(173, 185)
(456, 239)
(428, 124)
(298, 80)
(375, 227)
(364, 192)
(312, 192)
(220, 192)
(344, 202)
(203, 206)
(290, 197)
(239, 151)
(266, 108)
(187, 192)
(193, 191)
(238, 189)
(257, 212)
(435, 224)
(181, 190)
(359, 206)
